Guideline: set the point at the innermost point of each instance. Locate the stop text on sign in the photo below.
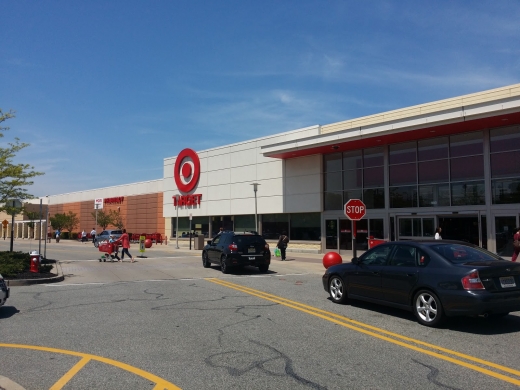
(355, 209)
(116, 200)
(187, 200)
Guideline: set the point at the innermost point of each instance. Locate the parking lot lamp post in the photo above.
(255, 189)
(48, 227)
(177, 222)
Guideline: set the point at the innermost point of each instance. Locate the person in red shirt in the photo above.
(516, 237)
(125, 243)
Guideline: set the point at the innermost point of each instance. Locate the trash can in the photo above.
(199, 242)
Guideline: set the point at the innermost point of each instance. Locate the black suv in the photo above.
(230, 249)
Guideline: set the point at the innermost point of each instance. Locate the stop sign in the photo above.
(355, 209)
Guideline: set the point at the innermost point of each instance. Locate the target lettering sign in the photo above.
(355, 209)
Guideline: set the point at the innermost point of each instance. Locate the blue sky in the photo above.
(105, 90)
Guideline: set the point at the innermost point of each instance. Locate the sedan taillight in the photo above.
(266, 246)
(472, 282)
(233, 247)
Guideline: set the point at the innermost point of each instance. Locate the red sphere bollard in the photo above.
(147, 243)
(35, 262)
(332, 258)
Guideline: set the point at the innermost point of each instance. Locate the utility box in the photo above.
(199, 242)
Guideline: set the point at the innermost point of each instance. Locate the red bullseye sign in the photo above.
(187, 170)
(355, 209)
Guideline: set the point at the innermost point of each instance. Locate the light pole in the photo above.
(255, 189)
(177, 222)
(48, 227)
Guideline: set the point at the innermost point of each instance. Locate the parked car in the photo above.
(4, 291)
(433, 279)
(105, 234)
(229, 249)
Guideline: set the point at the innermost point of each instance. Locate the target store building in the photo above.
(453, 164)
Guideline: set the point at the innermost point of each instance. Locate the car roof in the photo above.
(431, 242)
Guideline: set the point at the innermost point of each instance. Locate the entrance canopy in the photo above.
(488, 109)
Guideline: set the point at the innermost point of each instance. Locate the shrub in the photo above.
(12, 263)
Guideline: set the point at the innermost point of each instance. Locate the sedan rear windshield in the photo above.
(461, 253)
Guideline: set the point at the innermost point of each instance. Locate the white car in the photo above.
(4, 291)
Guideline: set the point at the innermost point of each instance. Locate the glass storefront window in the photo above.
(434, 171)
(416, 227)
(373, 198)
(352, 179)
(332, 181)
(274, 224)
(432, 149)
(403, 153)
(428, 225)
(244, 223)
(352, 194)
(305, 226)
(505, 139)
(434, 195)
(505, 164)
(504, 230)
(376, 228)
(467, 144)
(403, 174)
(333, 200)
(374, 177)
(505, 191)
(373, 157)
(332, 162)
(403, 197)
(405, 227)
(352, 160)
(469, 193)
(467, 168)
(331, 232)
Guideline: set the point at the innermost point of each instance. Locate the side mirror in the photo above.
(355, 260)
(209, 242)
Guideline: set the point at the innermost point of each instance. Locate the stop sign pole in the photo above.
(355, 210)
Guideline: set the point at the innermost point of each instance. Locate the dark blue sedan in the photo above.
(433, 279)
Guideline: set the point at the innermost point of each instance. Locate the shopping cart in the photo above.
(110, 251)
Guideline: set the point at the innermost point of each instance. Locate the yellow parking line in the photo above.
(69, 375)
(355, 325)
(160, 382)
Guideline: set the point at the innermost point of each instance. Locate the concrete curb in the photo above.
(7, 384)
(28, 282)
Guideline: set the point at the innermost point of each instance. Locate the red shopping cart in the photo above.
(110, 251)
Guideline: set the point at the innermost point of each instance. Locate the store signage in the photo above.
(187, 170)
(98, 203)
(116, 200)
(186, 200)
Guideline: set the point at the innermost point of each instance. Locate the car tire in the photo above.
(428, 309)
(337, 290)
(263, 268)
(205, 260)
(223, 266)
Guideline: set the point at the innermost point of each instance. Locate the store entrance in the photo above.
(462, 228)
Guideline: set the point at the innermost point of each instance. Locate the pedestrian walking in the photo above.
(125, 242)
(93, 234)
(83, 236)
(282, 244)
(438, 234)
(57, 235)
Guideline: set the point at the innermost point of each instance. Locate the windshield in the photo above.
(457, 253)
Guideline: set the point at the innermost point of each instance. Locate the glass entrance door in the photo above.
(462, 228)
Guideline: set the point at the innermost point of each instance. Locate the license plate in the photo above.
(507, 282)
(252, 258)
(251, 250)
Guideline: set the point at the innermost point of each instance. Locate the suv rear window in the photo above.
(248, 240)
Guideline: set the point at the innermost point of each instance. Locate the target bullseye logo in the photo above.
(187, 170)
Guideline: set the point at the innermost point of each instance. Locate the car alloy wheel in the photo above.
(223, 266)
(337, 290)
(428, 309)
(205, 261)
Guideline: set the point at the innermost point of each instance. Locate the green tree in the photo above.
(13, 177)
(32, 216)
(103, 219)
(71, 221)
(59, 221)
(117, 219)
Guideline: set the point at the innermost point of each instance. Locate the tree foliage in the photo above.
(13, 177)
(103, 218)
(117, 219)
(71, 221)
(59, 221)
